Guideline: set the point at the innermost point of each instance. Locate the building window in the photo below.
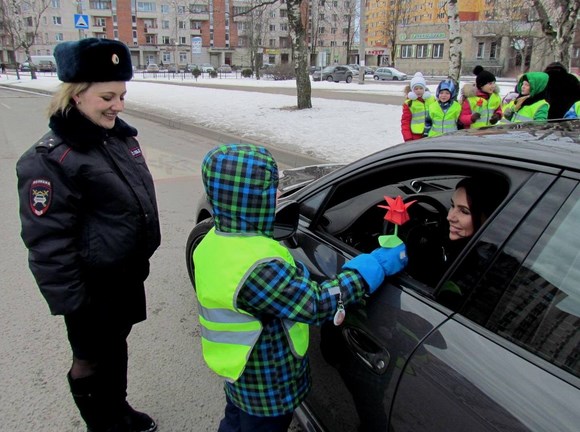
(493, 50)
(164, 9)
(29, 21)
(182, 40)
(196, 25)
(101, 5)
(321, 30)
(100, 22)
(272, 43)
(422, 51)
(283, 13)
(320, 43)
(165, 24)
(150, 39)
(480, 50)
(332, 43)
(438, 51)
(134, 34)
(56, 20)
(284, 27)
(181, 25)
(272, 27)
(165, 40)
(406, 51)
(182, 57)
(59, 37)
(181, 10)
(55, 4)
(166, 57)
(145, 7)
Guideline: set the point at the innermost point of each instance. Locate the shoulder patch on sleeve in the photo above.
(40, 196)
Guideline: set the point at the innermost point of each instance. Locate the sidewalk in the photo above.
(333, 130)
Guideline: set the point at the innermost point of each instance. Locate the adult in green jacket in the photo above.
(531, 104)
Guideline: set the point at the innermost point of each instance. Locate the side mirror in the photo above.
(286, 221)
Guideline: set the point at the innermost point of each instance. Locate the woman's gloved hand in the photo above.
(381, 262)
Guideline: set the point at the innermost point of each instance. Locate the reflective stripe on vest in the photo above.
(528, 112)
(228, 335)
(443, 122)
(486, 109)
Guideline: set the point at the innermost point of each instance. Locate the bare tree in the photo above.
(21, 19)
(558, 19)
(397, 14)
(297, 11)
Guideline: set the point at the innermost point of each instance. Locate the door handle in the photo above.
(373, 355)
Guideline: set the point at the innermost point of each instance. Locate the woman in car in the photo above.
(473, 201)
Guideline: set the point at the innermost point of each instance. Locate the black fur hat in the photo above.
(93, 60)
(483, 76)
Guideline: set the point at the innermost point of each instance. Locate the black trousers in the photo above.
(100, 397)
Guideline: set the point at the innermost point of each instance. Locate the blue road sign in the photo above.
(81, 21)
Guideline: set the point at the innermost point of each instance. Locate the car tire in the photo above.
(195, 236)
(349, 79)
(376, 77)
(330, 79)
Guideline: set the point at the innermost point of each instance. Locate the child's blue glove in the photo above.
(381, 262)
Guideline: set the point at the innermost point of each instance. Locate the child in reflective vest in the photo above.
(531, 104)
(415, 107)
(442, 117)
(481, 104)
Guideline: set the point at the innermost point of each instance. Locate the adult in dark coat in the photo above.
(562, 91)
(90, 223)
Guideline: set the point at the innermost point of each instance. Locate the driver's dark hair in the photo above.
(482, 198)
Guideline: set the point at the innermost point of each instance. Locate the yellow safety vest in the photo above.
(418, 110)
(229, 334)
(527, 112)
(443, 122)
(486, 109)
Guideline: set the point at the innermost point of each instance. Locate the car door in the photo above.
(356, 367)
(509, 359)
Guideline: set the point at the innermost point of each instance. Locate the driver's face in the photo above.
(459, 216)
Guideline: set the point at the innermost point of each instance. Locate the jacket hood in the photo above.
(538, 82)
(78, 131)
(240, 181)
(470, 90)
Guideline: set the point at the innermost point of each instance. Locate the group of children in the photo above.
(425, 115)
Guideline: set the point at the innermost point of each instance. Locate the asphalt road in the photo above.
(167, 376)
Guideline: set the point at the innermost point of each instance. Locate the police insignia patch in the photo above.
(40, 196)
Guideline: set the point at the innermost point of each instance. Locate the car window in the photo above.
(534, 300)
(352, 218)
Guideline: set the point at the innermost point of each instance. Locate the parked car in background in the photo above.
(190, 67)
(46, 66)
(25, 66)
(333, 74)
(354, 71)
(152, 68)
(206, 67)
(488, 344)
(389, 73)
(225, 68)
(173, 68)
(370, 70)
(312, 69)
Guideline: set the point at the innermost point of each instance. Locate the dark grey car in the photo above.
(502, 354)
(333, 74)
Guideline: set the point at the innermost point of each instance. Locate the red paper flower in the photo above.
(397, 210)
(479, 102)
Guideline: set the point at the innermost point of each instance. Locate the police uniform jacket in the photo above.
(89, 217)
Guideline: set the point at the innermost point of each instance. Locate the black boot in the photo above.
(94, 406)
(138, 421)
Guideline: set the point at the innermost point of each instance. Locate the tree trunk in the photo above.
(455, 40)
(299, 52)
(558, 20)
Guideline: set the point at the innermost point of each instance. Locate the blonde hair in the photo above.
(62, 100)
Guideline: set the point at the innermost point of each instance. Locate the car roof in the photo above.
(554, 144)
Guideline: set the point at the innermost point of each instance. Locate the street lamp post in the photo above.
(361, 44)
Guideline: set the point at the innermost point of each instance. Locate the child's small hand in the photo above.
(475, 116)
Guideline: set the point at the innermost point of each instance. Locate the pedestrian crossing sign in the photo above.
(81, 21)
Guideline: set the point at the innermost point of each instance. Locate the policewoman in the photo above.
(256, 302)
(90, 223)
